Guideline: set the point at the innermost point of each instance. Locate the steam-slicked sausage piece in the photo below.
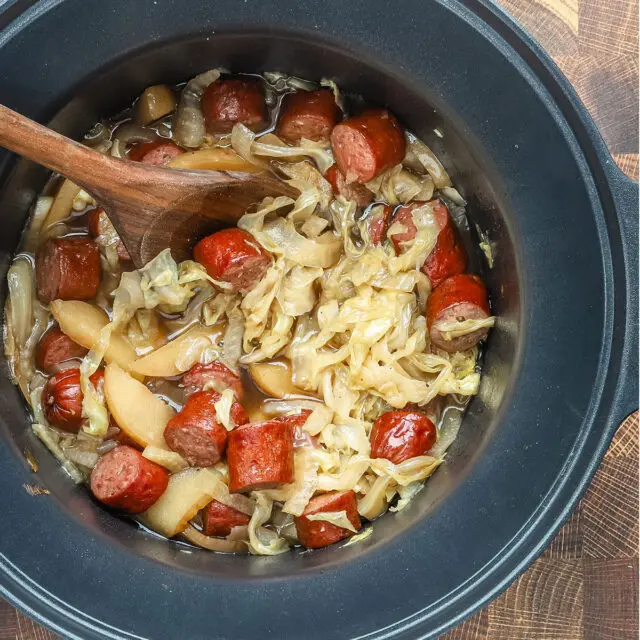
(56, 347)
(295, 420)
(459, 298)
(218, 519)
(260, 455)
(121, 251)
(368, 144)
(62, 399)
(400, 435)
(308, 114)
(68, 269)
(97, 221)
(215, 376)
(124, 479)
(99, 224)
(227, 102)
(314, 534)
(156, 153)
(195, 432)
(233, 256)
(448, 257)
(352, 191)
(378, 223)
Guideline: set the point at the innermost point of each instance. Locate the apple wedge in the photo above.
(180, 354)
(137, 411)
(82, 322)
(187, 493)
(274, 378)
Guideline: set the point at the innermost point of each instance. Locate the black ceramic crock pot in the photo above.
(560, 369)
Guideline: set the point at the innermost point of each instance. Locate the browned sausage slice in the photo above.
(233, 256)
(195, 432)
(308, 114)
(448, 257)
(227, 102)
(368, 144)
(62, 398)
(314, 534)
(157, 153)
(260, 455)
(353, 191)
(461, 297)
(400, 435)
(124, 479)
(97, 222)
(56, 347)
(218, 519)
(378, 223)
(68, 269)
(216, 376)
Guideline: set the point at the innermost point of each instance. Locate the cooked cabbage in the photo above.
(189, 128)
(348, 315)
(263, 541)
(223, 409)
(244, 142)
(336, 518)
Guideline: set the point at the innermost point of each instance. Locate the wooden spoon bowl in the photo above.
(151, 207)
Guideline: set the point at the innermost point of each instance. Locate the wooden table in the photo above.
(585, 585)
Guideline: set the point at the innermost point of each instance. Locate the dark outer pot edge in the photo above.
(617, 193)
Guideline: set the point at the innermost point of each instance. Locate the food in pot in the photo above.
(299, 377)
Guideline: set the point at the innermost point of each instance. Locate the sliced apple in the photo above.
(82, 322)
(180, 354)
(274, 378)
(187, 493)
(137, 411)
(218, 159)
(62, 205)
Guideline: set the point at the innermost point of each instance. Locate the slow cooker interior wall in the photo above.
(121, 80)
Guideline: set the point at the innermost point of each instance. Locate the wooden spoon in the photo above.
(151, 207)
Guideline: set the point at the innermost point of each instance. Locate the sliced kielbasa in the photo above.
(62, 399)
(56, 347)
(227, 102)
(378, 223)
(448, 257)
(314, 534)
(214, 376)
(68, 269)
(218, 519)
(352, 191)
(368, 144)
(400, 435)
(308, 114)
(195, 433)
(97, 222)
(233, 256)
(458, 298)
(296, 421)
(260, 455)
(156, 153)
(124, 479)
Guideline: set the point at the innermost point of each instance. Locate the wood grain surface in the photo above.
(585, 585)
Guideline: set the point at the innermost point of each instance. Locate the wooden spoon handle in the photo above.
(44, 146)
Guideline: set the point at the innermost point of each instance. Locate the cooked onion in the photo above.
(230, 544)
(189, 128)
